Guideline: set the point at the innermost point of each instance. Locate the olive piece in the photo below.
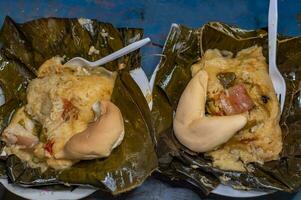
(265, 98)
(227, 79)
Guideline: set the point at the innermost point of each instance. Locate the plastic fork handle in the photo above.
(272, 25)
(121, 52)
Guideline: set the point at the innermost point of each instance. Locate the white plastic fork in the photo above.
(79, 61)
(276, 76)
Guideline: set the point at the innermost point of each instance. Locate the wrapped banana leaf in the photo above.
(185, 46)
(26, 46)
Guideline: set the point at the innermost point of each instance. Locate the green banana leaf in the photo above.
(24, 47)
(184, 46)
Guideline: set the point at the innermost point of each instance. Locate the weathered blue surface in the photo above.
(156, 16)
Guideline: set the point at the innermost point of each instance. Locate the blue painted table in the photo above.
(155, 17)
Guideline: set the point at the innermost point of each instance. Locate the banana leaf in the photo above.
(184, 46)
(24, 47)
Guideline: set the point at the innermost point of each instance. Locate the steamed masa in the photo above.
(59, 105)
(240, 84)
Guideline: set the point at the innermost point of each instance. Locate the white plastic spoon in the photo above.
(80, 62)
(277, 78)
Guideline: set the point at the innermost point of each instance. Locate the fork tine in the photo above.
(281, 100)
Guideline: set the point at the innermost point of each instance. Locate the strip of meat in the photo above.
(236, 100)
